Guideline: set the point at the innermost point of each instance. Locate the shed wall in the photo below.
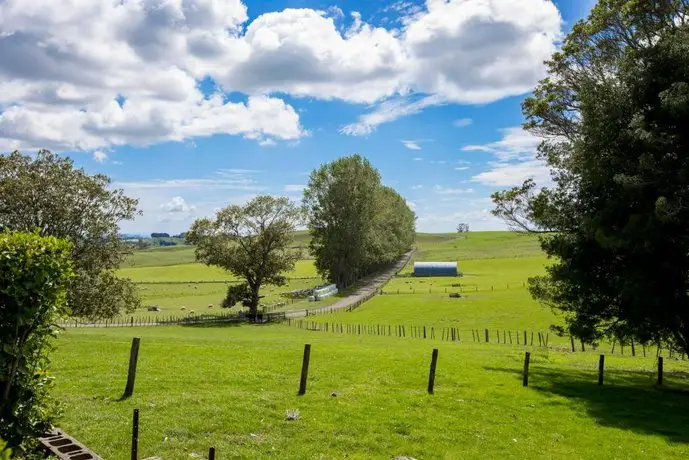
(435, 269)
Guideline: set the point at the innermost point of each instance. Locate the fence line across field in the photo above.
(521, 337)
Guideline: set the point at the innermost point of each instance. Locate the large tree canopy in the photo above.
(614, 114)
(251, 242)
(357, 224)
(49, 194)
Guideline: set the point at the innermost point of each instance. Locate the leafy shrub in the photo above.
(34, 272)
(5, 454)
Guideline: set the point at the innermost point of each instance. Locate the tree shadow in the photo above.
(214, 324)
(628, 400)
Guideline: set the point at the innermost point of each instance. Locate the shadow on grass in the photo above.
(628, 400)
(214, 324)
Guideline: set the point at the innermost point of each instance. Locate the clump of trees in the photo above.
(357, 224)
(35, 272)
(251, 242)
(462, 228)
(614, 115)
(48, 193)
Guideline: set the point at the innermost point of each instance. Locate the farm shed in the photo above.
(435, 269)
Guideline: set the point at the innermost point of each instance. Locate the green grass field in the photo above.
(229, 386)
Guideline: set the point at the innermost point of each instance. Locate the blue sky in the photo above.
(193, 105)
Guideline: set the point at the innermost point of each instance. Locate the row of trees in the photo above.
(357, 224)
(614, 114)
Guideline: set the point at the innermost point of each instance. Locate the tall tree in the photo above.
(251, 242)
(357, 224)
(48, 193)
(614, 113)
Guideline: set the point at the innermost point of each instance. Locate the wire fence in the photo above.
(171, 320)
(491, 336)
(449, 290)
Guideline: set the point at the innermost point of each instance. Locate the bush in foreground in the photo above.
(34, 272)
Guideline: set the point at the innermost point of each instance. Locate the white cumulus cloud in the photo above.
(176, 205)
(90, 74)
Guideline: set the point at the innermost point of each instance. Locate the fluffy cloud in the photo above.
(177, 205)
(515, 144)
(87, 74)
(510, 174)
(516, 160)
(100, 156)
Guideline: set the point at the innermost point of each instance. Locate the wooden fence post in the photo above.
(135, 435)
(304, 369)
(525, 377)
(660, 370)
(131, 375)
(525, 341)
(487, 340)
(211, 453)
(601, 368)
(431, 375)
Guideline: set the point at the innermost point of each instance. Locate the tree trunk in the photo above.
(253, 308)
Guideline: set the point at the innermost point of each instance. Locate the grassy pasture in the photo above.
(198, 272)
(230, 387)
(170, 297)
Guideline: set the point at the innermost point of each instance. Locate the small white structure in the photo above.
(325, 292)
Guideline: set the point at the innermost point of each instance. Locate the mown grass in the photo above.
(179, 299)
(230, 387)
(199, 272)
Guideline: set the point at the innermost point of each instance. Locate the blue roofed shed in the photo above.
(435, 269)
